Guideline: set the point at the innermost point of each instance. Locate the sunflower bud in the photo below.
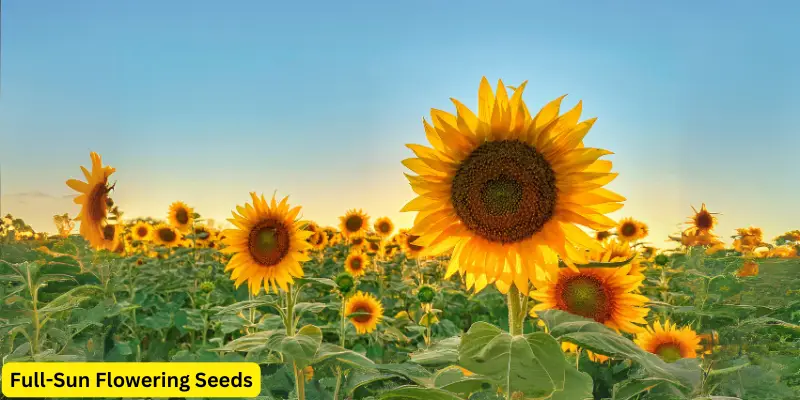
(345, 283)
(661, 259)
(426, 294)
(207, 286)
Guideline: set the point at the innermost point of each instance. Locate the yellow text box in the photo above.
(151, 379)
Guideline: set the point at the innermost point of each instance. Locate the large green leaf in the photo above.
(418, 393)
(533, 364)
(300, 348)
(442, 352)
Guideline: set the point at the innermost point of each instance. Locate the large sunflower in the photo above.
(268, 244)
(141, 231)
(166, 235)
(356, 263)
(370, 311)
(384, 227)
(631, 230)
(354, 222)
(94, 200)
(181, 216)
(669, 342)
(506, 190)
(602, 294)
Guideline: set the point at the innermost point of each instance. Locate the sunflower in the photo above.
(631, 230)
(141, 231)
(749, 268)
(602, 294)
(202, 235)
(505, 190)
(354, 222)
(357, 241)
(166, 235)
(703, 220)
(180, 216)
(615, 250)
(318, 240)
(370, 311)
(356, 263)
(267, 244)
(692, 237)
(669, 342)
(602, 235)
(373, 246)
(94, 201)
(384, 227)
(389, 252)
(311, 226)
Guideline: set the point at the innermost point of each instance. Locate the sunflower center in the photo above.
(602, 235)
(97, 203)
(354, 223)
(669, 352)
(108, 232)
(362, 308)
(384, 227)
(142, 231)
(703, 220)
(356, 264)
(269, 242)
(585, 296)
(167, 235)
(182, 216)
(504, 191)
(410, 242)
(628, 229)
(357, 241)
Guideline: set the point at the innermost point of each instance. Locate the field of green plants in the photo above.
(511, 284)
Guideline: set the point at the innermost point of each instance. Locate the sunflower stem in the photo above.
(289, 321)
(514, 320)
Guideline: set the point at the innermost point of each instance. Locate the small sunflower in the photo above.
(166, 235)
(602, 294)
(357, 241)
(373, 246)
(703, 220)
(318, 240)
(384, 227)
(602, 235)
(669, 342)
(141, 231)
(354, 222)
(356, 263)
(631, 230)
(369, 309)
(181, 216)
(112, 238)
(94, 201)
(311, 226)
(411, 245)
(267, 244)
(506, 190)
(389, 252)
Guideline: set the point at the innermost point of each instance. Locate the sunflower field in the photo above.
(513, 283)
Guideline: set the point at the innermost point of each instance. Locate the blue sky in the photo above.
(201, 102)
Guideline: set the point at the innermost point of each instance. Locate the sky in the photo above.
(203, 102)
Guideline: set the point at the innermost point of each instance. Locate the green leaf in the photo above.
(311, 308)
(340, 355)
(630, 389)
(300, 348)
(443, 352)
(324, 282)
(577, 386)
(533, 364)
(245, 305)
(417, 393)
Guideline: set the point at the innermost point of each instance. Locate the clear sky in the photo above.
(206, 101)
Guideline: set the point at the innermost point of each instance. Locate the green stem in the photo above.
(299, 380)
(514, 318)
(342, 330)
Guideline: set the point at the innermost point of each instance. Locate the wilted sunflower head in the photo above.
(669, 342)
(354, 222)
(605, 295)
(505, 190)
(364, 311)
(384, 226)
(703, 220)
(356, 263)
(94, 201)
(166, 235)
(268, 244)
(181, 216)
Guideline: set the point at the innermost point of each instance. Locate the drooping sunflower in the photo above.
(369, 309)
(669, 342)
(602, 294)
(267, 244)
(318, 240)
(93, 200)
(166, 235)
(384, 227)
(505, 190)
(631, 230)
(356, 263)
(354, 222)
(180, 216)
(141, 231)
(703, 220)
